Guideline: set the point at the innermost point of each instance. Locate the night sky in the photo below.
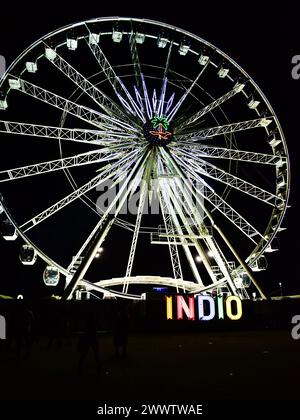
(261, 37)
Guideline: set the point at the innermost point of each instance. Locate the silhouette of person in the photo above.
(88, 340)
(23, 326)
(120, 330)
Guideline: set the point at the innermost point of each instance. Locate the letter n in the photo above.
(182, 306)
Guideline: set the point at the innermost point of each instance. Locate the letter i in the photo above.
(220, 307)
(169, 307)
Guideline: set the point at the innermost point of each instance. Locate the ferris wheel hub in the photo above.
(158, 131)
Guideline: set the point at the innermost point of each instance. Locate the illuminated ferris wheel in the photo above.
(140, 107)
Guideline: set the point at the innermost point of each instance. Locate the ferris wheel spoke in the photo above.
(208, 193)
(202, 151)
(171, 231)
(86, 114)
(115, 81)
(97, 137)
(117, 203)
(143, 196)
(174, 233)
(100, 98)
(103, 155)
(167, 65)
(225, 129)
(175, 109)
(105, 174)
(136, 66)
(186, 213)
(216, 103)
(219, 257)
(207, 169)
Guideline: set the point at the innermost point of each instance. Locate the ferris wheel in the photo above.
(140, 107)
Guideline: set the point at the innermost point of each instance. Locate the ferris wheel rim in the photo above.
(198, 39)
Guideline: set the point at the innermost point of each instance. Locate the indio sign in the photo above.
(203, 307)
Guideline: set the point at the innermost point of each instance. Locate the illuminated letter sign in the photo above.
(201, 312)
(169, 307)
(207, 307)
(239, 312)
(183, 307)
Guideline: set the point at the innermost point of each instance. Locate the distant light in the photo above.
(198, 258)
(97, 255)
(210, 254)
(160, 289)
(100, 249)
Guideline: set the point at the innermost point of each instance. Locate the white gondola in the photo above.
(82, 294)
(14, 83)
(72, 41)
(223, 71)
(274, 246)
(184, 48)
(162, 41)
(274, 140)
(260, 264)
(253, 103)
(51, 276)
(246, 280)
(203, 58)
(27, 255)
(3, 103)
(8, 230)
(242, 281)
(50, 53)
(117, 35)
(140, 37)
(31, 66)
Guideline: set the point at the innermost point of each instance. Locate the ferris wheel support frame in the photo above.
(102, 228)
(215, 226)
(186, 156)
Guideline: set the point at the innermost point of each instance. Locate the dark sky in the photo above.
(260, 36)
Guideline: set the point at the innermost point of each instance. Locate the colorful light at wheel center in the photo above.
(158, 131)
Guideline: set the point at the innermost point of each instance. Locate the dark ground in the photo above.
(254, 365)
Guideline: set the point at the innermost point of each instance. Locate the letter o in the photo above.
(239, 311)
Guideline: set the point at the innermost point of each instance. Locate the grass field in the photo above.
(167, 367)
